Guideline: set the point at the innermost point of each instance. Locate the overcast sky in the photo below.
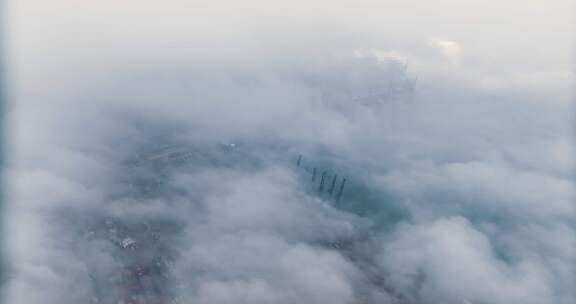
(504, 39)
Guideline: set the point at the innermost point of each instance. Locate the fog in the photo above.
(154, 152)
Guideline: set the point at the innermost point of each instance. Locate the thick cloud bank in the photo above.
(177, 180)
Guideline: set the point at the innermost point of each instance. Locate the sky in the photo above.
(452, 120)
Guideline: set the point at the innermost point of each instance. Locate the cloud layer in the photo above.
(137, 175)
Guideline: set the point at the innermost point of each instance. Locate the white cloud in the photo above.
(448, 48)
(477, 158)
(450, 261)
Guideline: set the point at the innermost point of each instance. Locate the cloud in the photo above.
(166, 150)
(452, 50)
(450, 261)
